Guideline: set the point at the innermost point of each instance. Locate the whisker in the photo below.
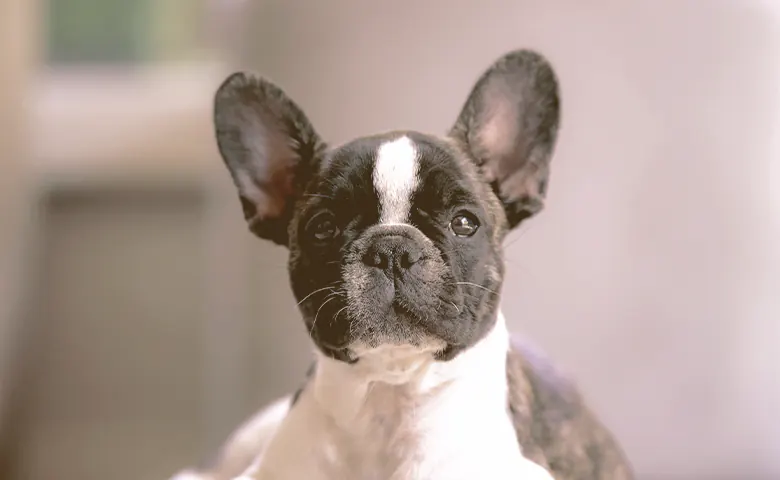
(471, 295)
(317, 314)
(334, 294)
(338, 313)
(456, 307)
(329, 287)
(520, 235)
(478, 286)
(317, 195)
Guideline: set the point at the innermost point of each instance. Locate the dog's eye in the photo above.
(464, 225)
(323, 227)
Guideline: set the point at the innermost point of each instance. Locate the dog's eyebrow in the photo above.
(460, 197)
(437, 197)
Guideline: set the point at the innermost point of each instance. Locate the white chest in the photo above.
(401, 417)
(391, 437)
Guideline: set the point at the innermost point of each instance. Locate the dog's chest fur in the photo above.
(446, 421)
(395, 434)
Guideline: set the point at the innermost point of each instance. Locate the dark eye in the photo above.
(323, 227)
(464, 225)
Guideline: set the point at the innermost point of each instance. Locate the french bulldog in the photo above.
(396, 261)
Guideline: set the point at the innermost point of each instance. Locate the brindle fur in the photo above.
(554, 426)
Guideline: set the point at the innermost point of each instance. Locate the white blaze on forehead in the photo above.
(395, 179)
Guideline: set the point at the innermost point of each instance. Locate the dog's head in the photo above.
(395, 239)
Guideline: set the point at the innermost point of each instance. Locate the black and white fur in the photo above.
(396, 260)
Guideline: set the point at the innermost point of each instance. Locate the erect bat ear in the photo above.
(270, 148)
(509, 125)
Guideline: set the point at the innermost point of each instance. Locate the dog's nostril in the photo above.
(393, 253)
(376, 259)
(409, 258)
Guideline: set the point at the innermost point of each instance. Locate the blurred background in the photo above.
(140, 322)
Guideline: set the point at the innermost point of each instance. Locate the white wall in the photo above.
(654, 273)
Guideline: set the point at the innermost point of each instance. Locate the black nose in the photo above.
(393, 252)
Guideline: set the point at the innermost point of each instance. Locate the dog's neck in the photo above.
(397, 376)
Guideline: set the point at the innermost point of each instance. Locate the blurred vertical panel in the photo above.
(111, 379)
(18, 57)
(115, 365)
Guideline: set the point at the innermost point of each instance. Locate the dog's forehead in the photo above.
(393, 175)
(429, 150)
(395, 164)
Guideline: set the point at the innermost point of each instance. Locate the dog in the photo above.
(396, 260)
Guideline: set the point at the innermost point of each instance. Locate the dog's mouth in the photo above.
(400, 339)
(372, 319)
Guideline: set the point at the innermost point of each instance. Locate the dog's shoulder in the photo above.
(554, 425)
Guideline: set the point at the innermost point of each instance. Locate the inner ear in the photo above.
(269, 147)
(509, 126)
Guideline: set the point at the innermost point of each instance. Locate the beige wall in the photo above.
(653, 274)
(17, 29)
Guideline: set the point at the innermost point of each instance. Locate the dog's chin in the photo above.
(394, 364)
(385, 341)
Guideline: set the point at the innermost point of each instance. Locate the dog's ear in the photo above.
(270, 148)
(509, 126)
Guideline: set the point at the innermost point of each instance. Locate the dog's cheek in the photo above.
(437, 282)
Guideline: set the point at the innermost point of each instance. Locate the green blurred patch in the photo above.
(122, 31)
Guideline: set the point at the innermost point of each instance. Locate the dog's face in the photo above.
(395, 239)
